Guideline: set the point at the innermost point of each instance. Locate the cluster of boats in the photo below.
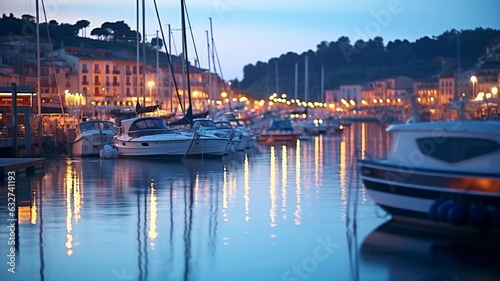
(150, 137)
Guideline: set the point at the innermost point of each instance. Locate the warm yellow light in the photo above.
(388, 100)
(331, 105)
(488, 95)
(381, 100)
(494, 90)
(151, 83)
(283, 96)
(473, 79)
(375, 101)
(223, 95)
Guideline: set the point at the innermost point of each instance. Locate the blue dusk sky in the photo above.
(248, 31)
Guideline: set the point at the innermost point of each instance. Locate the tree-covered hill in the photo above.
(345, 62)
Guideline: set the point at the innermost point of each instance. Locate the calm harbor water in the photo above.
(277, 212)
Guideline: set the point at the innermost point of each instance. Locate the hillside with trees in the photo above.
(110, 35)
(345, 62)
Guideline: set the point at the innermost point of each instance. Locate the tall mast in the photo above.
(157, 67)
(209, 67)
(306, 79)
(296, 80)
(143, 52)
(138, 81)
(39, 73)
(189, 112)
(170, 86)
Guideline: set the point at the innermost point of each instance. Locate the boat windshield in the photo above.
(95, 125)
(223, 125)
(148, 124)
(205, 123)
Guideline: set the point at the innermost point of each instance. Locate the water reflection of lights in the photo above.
(247, 188)
(318, 161)
(298, 161)
(225, 204)
(343, 170)
(272, 187)
(74, 202)
(34, 209)
(153, 214)
(284, 176)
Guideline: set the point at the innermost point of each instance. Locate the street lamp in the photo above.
(151, 84)
(473, 79)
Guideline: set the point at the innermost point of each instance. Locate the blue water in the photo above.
(276, 212)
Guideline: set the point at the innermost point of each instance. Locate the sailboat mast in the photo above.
(170, 87)
(39, 73)
(322, 95)
(209, 67)
(138, 81)
(189, 112)
(296, 81)
(306, 79)
(157, 68)
(143, 52)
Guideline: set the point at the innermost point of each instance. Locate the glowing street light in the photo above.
(151, 84)
(473, 79)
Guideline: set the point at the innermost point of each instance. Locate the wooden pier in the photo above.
(19, 165)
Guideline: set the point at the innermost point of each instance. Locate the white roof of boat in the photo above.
(126, 123)
(471, 126)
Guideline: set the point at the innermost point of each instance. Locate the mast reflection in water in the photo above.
(274, 213)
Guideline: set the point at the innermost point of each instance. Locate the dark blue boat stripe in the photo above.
(402, 169)
(430, 194)
(437, 181)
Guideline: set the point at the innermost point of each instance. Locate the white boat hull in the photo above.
(91, 143)
(175, 147)
(208, 146)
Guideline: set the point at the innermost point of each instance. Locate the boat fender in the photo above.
(442, 211)
(458, 214)
(108, 152)
(495, 216)
(433, 209)
(479, 216)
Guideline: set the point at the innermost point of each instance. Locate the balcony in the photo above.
(85, 70)
(85, 82)
(116, 84)
(97, 83)
(128, 72)
(116, 71)
(97, 71)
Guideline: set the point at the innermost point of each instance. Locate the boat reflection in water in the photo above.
(409, 252)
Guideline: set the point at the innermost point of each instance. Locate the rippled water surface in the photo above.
(276, 212)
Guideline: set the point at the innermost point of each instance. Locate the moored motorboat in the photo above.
(445, 173)
(206, 143)
(149, 137)
(91, 137)
(279, 130)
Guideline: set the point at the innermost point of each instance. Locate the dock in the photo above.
(19, 165)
